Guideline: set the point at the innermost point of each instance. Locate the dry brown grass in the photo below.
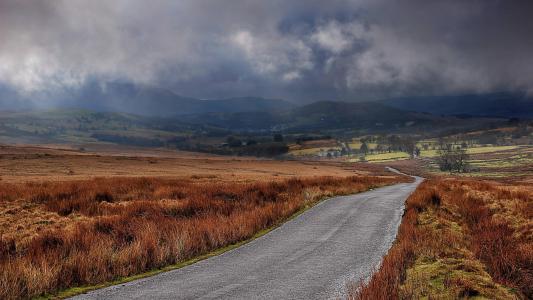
(416, 167)
(113, 227)
(23, 163)
(459, 238)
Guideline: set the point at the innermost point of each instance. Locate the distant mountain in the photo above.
(151, 101)
(333, 115)
(140, 100)
(335, 118)
(329, 115)
(506, 105)
(259, 114)
(246, 104)
(10, 100)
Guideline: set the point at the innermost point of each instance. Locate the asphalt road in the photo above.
(310, 257)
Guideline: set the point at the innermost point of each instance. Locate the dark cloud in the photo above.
(301, 50)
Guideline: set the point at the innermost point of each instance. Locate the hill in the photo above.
(84, 126)
(134, 99)
(506, 105)
(329, 115)
(335, 118)
(367, 115)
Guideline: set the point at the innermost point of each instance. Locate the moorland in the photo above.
(90, 198)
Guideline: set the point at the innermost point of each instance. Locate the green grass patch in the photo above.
(380, 157)
(489, 149)
(474, 150)
(311, 151)
(357, 145)
(452, 278)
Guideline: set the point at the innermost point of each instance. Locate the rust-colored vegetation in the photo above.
(115, 227)
(459, 238)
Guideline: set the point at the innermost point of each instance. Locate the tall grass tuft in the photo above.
(134, 225)
(495, 239)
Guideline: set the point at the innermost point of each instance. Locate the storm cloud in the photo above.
(299, 50)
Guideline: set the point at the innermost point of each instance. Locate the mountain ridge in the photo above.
(502, 104)
(328, 115)
(137, 99)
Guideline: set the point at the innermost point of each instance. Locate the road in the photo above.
(310, 257)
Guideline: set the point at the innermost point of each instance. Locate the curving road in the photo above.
(309, 257)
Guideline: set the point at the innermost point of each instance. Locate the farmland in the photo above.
(495, 162)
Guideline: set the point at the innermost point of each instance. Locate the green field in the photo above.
(497, 162)
(311, 151)
(380, 157)
(475, 150)
(357, 145)
(515, 159)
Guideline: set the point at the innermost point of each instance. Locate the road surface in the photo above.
(310, 257)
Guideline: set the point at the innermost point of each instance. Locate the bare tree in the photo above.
(453, 159)
(364, 148)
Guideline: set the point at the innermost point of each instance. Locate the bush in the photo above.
(452, 159)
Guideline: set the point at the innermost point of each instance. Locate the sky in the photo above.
(297, 50)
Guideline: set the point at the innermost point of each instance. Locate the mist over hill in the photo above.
(96, 108)
(505, 105)
(130, 98)
(146, 100)
(153, 117)
(333, 116)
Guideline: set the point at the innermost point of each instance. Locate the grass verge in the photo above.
(459, 239)
(85, 289)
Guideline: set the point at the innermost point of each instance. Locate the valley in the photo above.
(215, 181)
(247, 149)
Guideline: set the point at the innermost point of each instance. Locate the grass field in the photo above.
(490, 157)
(386, 156)
(45, 164)
(112, 212)
(311, 151)
(314, 148)
(474, 150)
(357, 145)
(121, 212)
(502, 162)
